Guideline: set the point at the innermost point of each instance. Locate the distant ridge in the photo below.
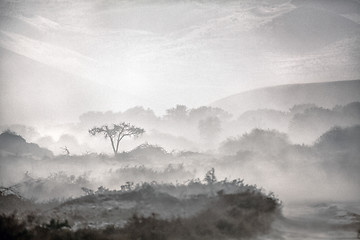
(13, 144)
(283, 97)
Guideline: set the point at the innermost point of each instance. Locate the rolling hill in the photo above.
(13, 144)
(283, 97)
(32, 92)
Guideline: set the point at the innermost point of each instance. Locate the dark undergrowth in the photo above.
(239, 215)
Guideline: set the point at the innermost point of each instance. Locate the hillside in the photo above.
(11, 143)
(283, 97)
(51, 93)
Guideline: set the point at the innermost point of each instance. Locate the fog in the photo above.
(180, 119)
(113, 56)
(178, 151)
(314, 150)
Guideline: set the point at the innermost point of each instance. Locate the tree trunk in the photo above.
(113, 146)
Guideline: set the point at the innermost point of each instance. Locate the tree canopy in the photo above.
(117, 132)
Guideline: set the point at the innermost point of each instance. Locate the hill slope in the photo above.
(16, 145)
(32, 91)
(283, 97)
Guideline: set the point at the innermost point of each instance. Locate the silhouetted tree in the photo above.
(117, 132)
(180, 112)
(196, 114)
(66, 151)
(210, 177)
(269, 142)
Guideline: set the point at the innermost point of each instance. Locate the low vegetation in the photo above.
(207, 209)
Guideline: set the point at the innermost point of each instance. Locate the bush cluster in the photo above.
(238, 215)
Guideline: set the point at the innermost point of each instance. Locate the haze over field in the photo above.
(283, 97)
(180, 119)
(96, 55)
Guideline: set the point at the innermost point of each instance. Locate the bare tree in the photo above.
(117, 132)
(66, 151)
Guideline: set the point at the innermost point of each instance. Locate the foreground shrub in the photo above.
(239, 215)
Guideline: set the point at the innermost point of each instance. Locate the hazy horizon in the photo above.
(180, 119)
(61, 59)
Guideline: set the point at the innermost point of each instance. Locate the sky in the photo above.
(59, 59)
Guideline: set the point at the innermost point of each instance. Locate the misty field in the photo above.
(179, 119)
(204, 191)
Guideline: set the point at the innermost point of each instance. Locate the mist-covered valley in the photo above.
(303, 159)
(186, 119)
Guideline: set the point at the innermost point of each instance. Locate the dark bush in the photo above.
(11, 228)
